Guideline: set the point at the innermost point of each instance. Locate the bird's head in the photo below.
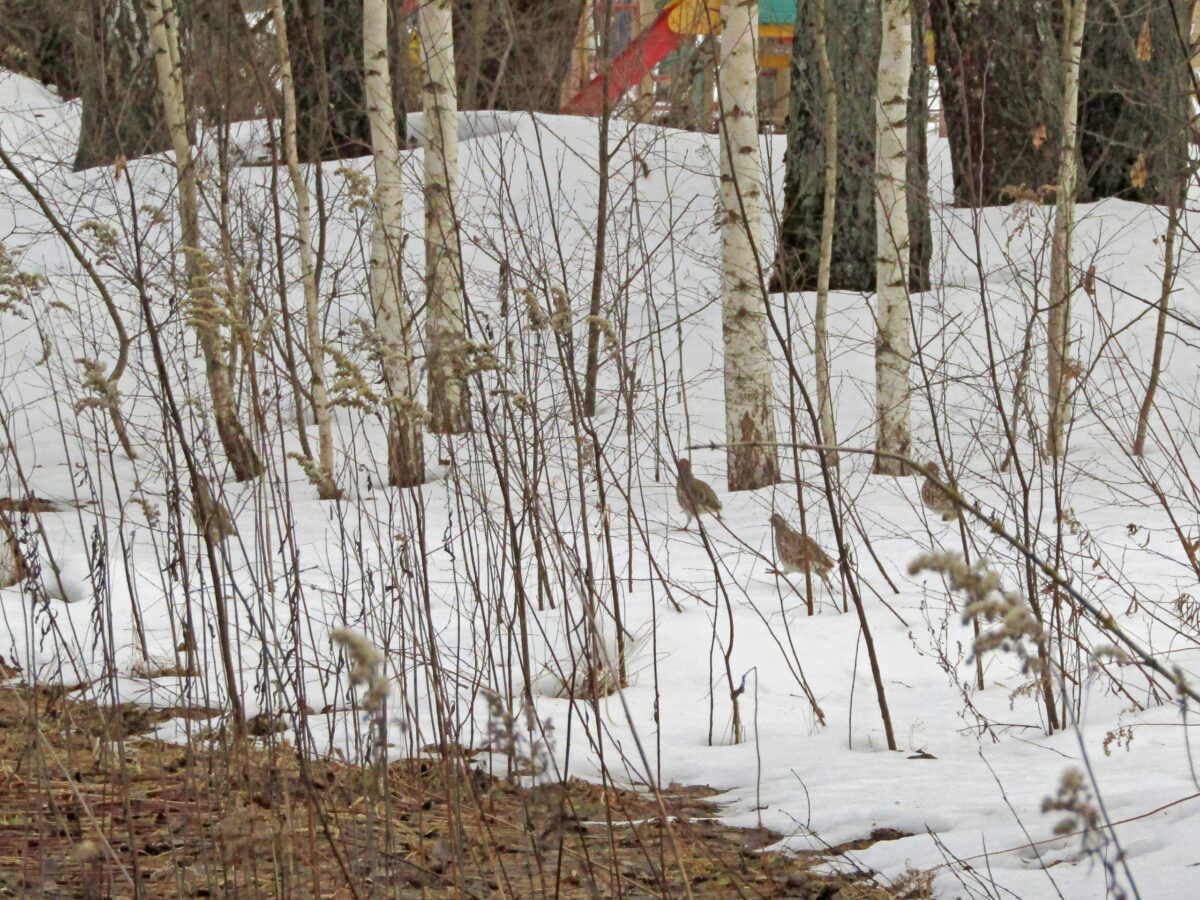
(684, 466)
(933, 468)
(778, 521)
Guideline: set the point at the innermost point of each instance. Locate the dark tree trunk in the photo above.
(326, 45)
(122, 115)
(999, 75)
(853, 41)
(1131, 107)
(325, 42)
(1001, 82)
(513, 55)
(920, 234)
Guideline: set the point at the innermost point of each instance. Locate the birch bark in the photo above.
(205, 312)
(406, 462)
(893, 350)
(323, 470)
(751, 457)
(449, 410)
(1074, 14)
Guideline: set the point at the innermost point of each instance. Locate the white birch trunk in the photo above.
(204, 310)
(828, 219)
(326, 487)
(449, 412)
(406, 463)
(751, 457)
(10, 557)
(1074, 13)
(893, 350)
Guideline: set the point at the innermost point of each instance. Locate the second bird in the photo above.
(695, 497)
(798, 552)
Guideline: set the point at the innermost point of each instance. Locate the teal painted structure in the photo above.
(777, 12)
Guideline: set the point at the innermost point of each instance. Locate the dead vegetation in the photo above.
(92, 806)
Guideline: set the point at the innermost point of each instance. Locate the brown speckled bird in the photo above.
(695, 497)
(937, 500)
(798, 552)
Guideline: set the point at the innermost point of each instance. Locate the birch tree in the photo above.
(322, 469)
(449, 410)
(406, 463)
(828, 219)
(893, 350)
(751, 458)
(205, 311)
(1074, 14)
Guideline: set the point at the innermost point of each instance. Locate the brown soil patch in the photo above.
(91, 807)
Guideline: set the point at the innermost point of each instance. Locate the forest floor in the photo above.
(92, 805)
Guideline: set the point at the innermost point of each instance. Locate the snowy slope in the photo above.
(974, 767)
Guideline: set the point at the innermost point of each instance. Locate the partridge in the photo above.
(695, 497)
(798, 552)
(937, 500)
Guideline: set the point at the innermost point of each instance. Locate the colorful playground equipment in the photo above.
(678, 22)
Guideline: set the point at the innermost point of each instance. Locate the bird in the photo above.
(695, 497)
(211, 514)
(798, 552)
(936, 499)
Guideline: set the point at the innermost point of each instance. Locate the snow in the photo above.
(973, 767)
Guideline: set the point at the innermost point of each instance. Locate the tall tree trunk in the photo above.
(1000, 95)
(1134, 93)
(1000, 71)
(122, 116)
(852, 37)
(327, 69)
(1059, 325)
(751, 458)
(514, 55)
(829, 138)
(449, 409)
(323, 470)
(204, 306)
(893, 347)
(406, 462)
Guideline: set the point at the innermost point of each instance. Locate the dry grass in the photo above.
(91, 806)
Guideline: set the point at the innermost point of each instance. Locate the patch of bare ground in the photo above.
(92, 806)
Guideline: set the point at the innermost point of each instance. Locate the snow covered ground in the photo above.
(510, 553)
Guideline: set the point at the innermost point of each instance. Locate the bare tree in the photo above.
(322, 471)
(204, 307)
(893, 351)
(449, 400)
(406, 463)
(752, 461)
(1074, 14)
